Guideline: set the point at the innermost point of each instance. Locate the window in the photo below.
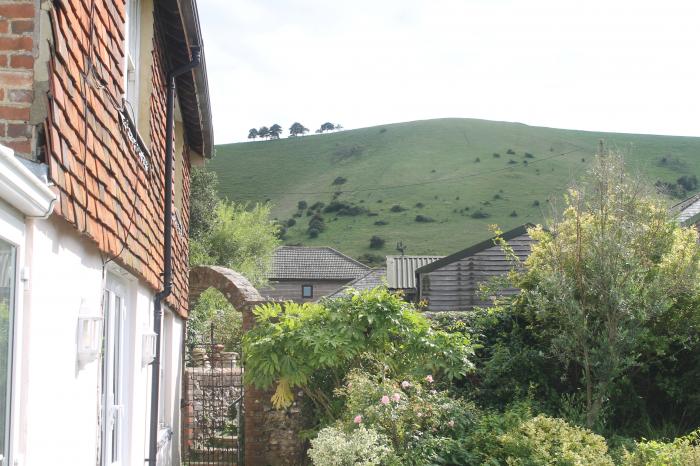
(133, 28)
(113, 376)
(8, 272)
(307, 291)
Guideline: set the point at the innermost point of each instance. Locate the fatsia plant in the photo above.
(293, 345)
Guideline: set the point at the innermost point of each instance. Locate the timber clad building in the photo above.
(452, 283)
(83, 87)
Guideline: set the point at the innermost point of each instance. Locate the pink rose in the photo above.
(358, 419)
(396, 397)
(451, 423)
(429, 378)
(385, 400)
(405, 384)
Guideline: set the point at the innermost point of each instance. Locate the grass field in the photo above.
(444, 170)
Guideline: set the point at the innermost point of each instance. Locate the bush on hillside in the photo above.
(397, 208)
(424, 219)
(512, 162)
(376, 242)
(514, 214)
(340, 180)
(420, 205)
(381, 222)
(477, 160)
(510, 152)
(480, 214)
(529, 155)
(291, 222)
(496, 155)
(301, 205)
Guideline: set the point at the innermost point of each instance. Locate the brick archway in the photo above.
(271, 437)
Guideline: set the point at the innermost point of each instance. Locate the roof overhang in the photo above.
(180, 25)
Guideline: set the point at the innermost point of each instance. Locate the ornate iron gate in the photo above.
(212, 407)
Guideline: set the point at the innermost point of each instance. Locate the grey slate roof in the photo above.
(401, 270)
(687, 211)
(372, 279)
(324, 263)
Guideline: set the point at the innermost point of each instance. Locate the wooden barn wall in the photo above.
(455, 286)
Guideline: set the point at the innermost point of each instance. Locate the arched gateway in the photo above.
(271, 437)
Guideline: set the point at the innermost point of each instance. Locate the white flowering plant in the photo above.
(361, 446)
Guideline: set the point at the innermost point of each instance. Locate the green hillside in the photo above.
(441, 169)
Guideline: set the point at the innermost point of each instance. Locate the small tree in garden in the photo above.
(313, 346)
(613, 262)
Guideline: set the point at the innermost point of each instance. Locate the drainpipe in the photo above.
(167, 250)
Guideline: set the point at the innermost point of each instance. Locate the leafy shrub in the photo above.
(301, 205)
(544, 440)
(424, 219)
(381, 223)
(379, 201)
(383, 130)
(348, 151)
(291, 222)
(480, 214)
(496, 155)
(376, 242)
(529, 155)
(361, 446)
(339, 180)
(535, 203)
(510, 152)
(688, 182)
(311, 346)
(497, 196)
(477, 160)
(684, 451)
(344, 209)
(313, 232)
(317, 205)
(514, 214)
(296, 214)
(512, 162)
(397, 208)
(420, 205)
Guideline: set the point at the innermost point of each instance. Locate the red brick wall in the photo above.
(16, 74)
(105, 190)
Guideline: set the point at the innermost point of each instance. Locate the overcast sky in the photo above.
(610, 65)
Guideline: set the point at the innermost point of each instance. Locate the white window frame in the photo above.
(116, 357)
(12, 230)
(132, 56)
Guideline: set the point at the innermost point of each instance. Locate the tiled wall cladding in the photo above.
(105, 189)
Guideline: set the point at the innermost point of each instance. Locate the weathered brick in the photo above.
(24, 10)
(21, 79)
(23, 147)
(16, 43)
(22, 26)
(20, 95)
(4, 26)
(18, 130)
(21, 61)
(14, 113)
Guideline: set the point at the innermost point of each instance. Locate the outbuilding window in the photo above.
(307, 291)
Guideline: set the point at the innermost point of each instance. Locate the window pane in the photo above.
(7, 292)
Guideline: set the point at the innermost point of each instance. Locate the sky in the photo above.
(603, 65)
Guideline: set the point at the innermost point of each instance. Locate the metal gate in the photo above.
(212, 407)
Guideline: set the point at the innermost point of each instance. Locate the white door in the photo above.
(113, 431)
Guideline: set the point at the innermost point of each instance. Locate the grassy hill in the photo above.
(444, 170)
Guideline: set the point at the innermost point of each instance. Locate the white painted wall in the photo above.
(58, 401)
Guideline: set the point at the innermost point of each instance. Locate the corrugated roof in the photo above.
(401, 270)
(324, 263)
(372, 279)
(687, 211)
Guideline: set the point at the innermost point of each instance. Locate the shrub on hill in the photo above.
(529, 155)
(479, 214)
(477, 160)
(340, 180)
(376, 242)
(372, 260)
(397, 208)
(496, 155)
(510, 152)
(317, 205)
(420, 205)
(381, 222)
(301, 205)
(291, 222)
(514, 214)
(512, 162)
(424, 219)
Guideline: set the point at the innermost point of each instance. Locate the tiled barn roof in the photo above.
(324, 263)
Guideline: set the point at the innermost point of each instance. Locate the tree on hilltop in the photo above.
(298, 129)
(252, 133)
(275, 131)
(264, 132)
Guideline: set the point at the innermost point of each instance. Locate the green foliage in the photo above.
(213, 311)
(376, 242)
(313, 346)
(601, 274)
(241, 238)
(424, 219)
(203, 201)
(335, 447)
(546, 441)
(684, 451)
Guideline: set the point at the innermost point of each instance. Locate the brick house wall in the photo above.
(61, 89)
(16, 74)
